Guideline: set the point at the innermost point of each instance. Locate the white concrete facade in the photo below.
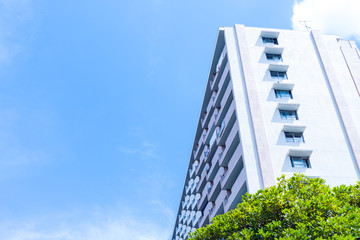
(276, 102)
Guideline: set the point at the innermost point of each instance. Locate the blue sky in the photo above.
(99, 101)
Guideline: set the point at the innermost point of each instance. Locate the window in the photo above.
(283, 94)
(273, 57)
(295, 137)
(288, 114)
(300, 162)
(278, 75)
(270, 40)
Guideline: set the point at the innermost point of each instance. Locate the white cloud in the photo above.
(109, 230)
(95, 226)
(339, 17)
(14, 16)
(144, 151)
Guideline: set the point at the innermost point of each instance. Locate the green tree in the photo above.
(296, 208)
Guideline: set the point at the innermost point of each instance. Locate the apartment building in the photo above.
(276, 102)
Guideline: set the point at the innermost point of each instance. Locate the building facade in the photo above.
(276, 102)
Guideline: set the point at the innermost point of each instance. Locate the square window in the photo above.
(295, 137)
(267, 40)
(286, 94)
(278, 75)
(273, 56)
(300, 162)
(289, 114)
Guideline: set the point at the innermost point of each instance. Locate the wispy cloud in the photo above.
(14, 16)
(95, 227)
(144, 150)
(143, 147)
(16, 153)
(339, 17)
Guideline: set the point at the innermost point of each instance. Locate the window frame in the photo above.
(294, 137)
(281, 94)
(286, 116)
(304, 160)
(278, 74)
(274, 56)
(270, 40)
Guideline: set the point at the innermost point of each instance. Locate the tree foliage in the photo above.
(296, 208)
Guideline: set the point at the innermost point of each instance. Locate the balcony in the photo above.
(183, 212)
(196, 181)
(188, 186)
(192, 171)
(178, 229)
(205, 218)
(229, 121)
(198, 150)
(188, 230)
(196, 200)
(199, 144)
(189, 218)
(218, 208)
(219, 69)
(195, 165)
(202, 181)
(192, 202)
(207, 113)
(206, 151)
(195, 222)
(210, 134)
(225, 171)
(201, 165)
(236, 165)
(203, 199)
(232, 143)
(203, 136)
(187, 198)
(224, 93)
(215, 190)
(226, 199)
(209, 186)
(213, 170)
(225, 113)
(237, 191)
(183, 228)
(189, 202)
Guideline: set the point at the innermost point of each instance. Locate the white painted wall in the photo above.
(331, 157)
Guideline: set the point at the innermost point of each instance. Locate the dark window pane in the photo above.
(283, 94)
(270, 40)
(271, 56)
(288, 114)
(273, 74)
(279, 75)
(300, 162)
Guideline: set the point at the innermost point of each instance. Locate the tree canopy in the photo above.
(296, 208)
